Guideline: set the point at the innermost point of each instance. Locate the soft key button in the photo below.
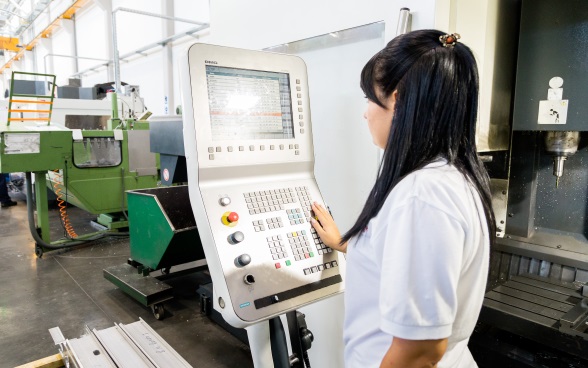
(230, 218)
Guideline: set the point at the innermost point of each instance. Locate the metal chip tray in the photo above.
(135, 345)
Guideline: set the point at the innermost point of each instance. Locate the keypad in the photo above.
(276, 246)
(295, 216)
(321, 248)
(274, 223)
(300, 245)
(269, 200)
(258, 225)
(305, 201)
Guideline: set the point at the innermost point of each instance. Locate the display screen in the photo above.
(249, 104)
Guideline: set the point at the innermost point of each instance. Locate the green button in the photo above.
(288, 263)
(311, 254)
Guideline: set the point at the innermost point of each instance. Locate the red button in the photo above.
(233, 217)
(306, 255)
(278, 265)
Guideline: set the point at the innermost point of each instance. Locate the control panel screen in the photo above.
(249, 104)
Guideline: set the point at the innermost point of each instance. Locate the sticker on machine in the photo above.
(554, 110)
(22, 143)
(165, 174)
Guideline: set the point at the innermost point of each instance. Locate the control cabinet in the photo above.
(250, 160)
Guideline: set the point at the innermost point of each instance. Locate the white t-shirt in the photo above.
(419, 270)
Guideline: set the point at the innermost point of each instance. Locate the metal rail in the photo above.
(145, 48)
(141, 50)
(71, 57)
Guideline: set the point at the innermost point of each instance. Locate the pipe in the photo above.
(176, 19)
(403, 21)
(69, 56)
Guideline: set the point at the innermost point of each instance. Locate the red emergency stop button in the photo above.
(230, 218)
(233, 217)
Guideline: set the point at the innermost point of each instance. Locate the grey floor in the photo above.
(66, 289)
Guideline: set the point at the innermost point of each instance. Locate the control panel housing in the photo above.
(250, 160)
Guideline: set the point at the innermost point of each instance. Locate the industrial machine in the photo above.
(249, 153)
(539, 270)
(78, 165)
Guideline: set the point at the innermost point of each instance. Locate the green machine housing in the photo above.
(92, 169)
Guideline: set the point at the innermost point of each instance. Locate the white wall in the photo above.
(92, 42)
(263, 23)
(62, 44)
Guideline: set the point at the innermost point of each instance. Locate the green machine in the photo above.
(89, 168)
(163, 234)
(162, 227)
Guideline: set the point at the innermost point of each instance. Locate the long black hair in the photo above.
(434, 116)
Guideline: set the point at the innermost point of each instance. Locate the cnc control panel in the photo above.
(250, 159)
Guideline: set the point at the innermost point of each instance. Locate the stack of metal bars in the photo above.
(135, 345)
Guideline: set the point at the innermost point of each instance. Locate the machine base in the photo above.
(205, 291)
(145, 289)
(493, 347)
(112, 222)
(537, 308)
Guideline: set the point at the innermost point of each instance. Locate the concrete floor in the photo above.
(66, 289)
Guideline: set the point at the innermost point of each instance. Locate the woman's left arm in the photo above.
(414, 353)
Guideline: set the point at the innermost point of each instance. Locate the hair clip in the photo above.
(449, 40)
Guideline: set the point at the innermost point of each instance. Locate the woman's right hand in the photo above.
(326, 228)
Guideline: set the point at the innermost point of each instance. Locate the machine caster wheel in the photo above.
(158, 311)
(39, 251)
(165, 270)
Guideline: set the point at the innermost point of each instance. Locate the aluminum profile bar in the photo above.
(121, 349)
(159, 352)
(89, 353)
(57, 335)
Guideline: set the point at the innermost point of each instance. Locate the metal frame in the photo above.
(71, 57)
(12, 94)
(163, 42)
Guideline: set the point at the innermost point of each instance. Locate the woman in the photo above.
(418, 254)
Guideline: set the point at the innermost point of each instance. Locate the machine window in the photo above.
(97, 152)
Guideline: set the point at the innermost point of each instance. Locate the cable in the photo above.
(62, 204)
(33, 229)
(306, 359)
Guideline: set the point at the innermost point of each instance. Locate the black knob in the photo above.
(243, 259)
(236, 237)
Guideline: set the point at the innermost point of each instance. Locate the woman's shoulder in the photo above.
(438, 184)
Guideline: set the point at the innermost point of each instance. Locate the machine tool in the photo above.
(80, 166)
(539, 270)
